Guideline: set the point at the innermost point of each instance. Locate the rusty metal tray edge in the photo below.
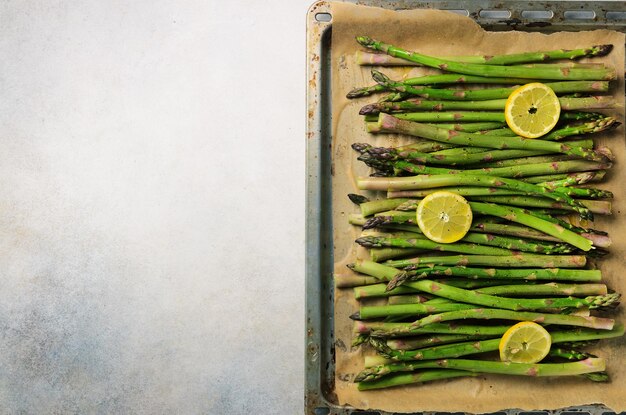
(492, 15)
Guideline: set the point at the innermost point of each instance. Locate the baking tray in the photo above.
(544, 16)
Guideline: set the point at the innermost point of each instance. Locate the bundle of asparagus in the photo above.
(423, 304)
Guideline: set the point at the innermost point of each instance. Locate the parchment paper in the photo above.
(441, 33)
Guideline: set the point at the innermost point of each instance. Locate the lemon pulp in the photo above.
(444, 217)
(525, 342)
(532, 110)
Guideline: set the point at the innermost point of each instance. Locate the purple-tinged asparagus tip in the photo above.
(357, 93)
(606, 152)
(361, 147)
(370, 109)
(601, 50)
(374, 222)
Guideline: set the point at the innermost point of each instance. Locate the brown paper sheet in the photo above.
(441, 33)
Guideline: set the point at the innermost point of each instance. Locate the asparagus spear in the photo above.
(382, 290)
(413, 343)
(518, 260)
(483, 94)
(402, 310)
(519, 216)
(493, 70)
(393, 124)
(438, 116)
(415, 377)
(369, 376)
(464, 155)
(441, 180)
(425, 243)
(567, 179)
(551, 274)
(365, 58)
(469, 127)
(477, 243)
(405, 109)
(595, 206)
(525, 288)
(471, 191)
(376, 332)
(478, 298)
(517, 171)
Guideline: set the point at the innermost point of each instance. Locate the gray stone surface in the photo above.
(151, 208)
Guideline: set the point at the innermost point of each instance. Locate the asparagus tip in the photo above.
(379, 77)
(369, 109)
(598, 376)
(364, 40)
(606, 152)
(374, 222)
(356, 316)
(357, 199)
(360, 147)
(358, 93)
(602, 50)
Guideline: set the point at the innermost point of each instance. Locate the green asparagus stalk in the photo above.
(460, 157)
(366, 58)
(407, 299)
(493, 70)
(483, 313)
(519, 216)
(590, 127)
(486, 366)
(437, 115)
(550, 274)
(468, 127)
(400, 379)
(588, 365)
(567, 179)
(513, 230)
(471, 191)
(406, 109)
(483, 94)
(392, 330)
(519, 260)
(551, 288)
(413, 343)
(380, 205)
(465, 244)
(600, 207)
(383, 254)
(377, 331)
(380, 290)
(393, 124)
(478, 298)
(349, 281)
(517, 171)
(420, 145)
(442, 180)
(403, 310)
(425, 243)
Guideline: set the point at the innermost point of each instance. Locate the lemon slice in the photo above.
(525, 342)
(532, 110)
(444, 217)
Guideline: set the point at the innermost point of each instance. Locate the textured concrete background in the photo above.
(152, 206)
